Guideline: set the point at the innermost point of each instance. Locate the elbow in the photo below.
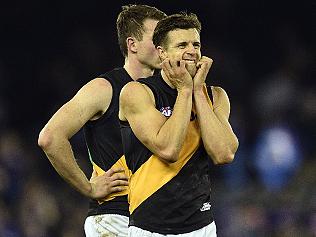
(164, 151)
(223, 159)
(226, 154)
(169, 156)
(222, 156)
(45, 139)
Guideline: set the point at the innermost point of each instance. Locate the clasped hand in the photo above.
(203, 67)
(179, 76)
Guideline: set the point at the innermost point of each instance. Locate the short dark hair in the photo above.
(130, 22)
(173, 22)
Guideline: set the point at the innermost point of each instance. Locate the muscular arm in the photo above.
(218, 137)
(164, 137)
(91, 101)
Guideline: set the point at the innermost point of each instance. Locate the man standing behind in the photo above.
(173, 127)
(95, 108)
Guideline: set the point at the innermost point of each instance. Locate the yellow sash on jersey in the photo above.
(121, 163)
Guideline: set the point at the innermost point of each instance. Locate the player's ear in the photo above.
(162, 53)
(131, 45)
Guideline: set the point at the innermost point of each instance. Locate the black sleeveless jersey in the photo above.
(104, 143)
(168, 198)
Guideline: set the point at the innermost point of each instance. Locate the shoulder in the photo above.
(133, 91)
(96, 95)
(97, 87)
(135, 94)
(218, 90)
(219, 93)
(221, 100)
(100, 83)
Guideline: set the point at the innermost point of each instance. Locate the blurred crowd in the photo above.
(264, 60)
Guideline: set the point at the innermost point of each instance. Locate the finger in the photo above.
(207, 61)
(166, 67)
(204, 58)
(174, 63)
(182, 64)
(204, 64)
(118, 176)
(199, 64)
(211, 62)
(119, 183)
(166, 64)
(112, 171)
(117, 189)
(117, 169)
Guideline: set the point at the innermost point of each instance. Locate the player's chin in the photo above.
(191, 67)
(156, 65)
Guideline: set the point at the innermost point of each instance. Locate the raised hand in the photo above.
(114, 180)
(177, 74)
(203, 66)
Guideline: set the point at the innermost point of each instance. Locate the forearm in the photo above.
(218, 138)
(172, 134)
(59, 152)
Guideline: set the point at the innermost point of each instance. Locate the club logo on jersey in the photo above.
(166, 111)
(206, 206)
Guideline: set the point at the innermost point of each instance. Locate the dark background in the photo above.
(263, 54)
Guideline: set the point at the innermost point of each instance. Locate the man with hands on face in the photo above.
(174, 128)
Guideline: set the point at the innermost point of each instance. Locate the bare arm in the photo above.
(219, 140)
(164, 137)
(91, 101)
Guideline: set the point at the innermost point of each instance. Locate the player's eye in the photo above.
(182, 45)
(197, 45)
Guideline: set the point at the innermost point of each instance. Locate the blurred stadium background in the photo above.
(263, 55)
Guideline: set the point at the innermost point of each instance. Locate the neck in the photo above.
(165, 78)
(136, 69)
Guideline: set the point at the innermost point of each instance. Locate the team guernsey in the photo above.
(168, 198)
(104, 143)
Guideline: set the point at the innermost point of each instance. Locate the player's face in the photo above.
(146, 51)
(183, 45)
